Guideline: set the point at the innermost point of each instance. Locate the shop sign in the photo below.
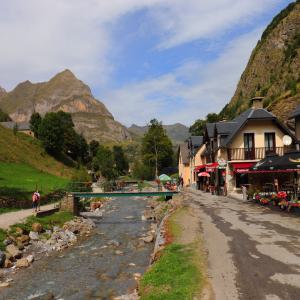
(222, 163)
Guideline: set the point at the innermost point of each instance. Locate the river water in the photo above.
(94, 268)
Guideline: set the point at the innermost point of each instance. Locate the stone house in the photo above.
(23, 127)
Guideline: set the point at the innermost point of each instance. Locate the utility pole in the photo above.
(156, 158)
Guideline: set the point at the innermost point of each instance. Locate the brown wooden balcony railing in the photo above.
(253, 153)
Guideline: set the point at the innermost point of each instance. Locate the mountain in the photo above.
(176, 132)
(64, 92)
(273, 68)
(2, 92)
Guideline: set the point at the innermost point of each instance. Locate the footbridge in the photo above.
(71, 200)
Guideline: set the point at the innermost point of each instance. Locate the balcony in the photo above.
(253, 153)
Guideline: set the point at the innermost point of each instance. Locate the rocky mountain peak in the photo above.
(65, 75)
(273, 68)
(64, 92)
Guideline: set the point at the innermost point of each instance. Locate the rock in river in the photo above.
(30, 258)
(34, 235)
(22, 263)
(37, 227)
(24, 239)
(13, 251)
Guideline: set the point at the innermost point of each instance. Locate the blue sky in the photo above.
(175, 60)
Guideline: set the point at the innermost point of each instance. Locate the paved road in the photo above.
(253, 252)
(11, 218)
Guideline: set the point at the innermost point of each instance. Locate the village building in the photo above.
(189, 156)
(231, 148)
(184, 169)
(23, 127)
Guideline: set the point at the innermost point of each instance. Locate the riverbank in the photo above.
(36, 238)
(179, 270)
(105, 265)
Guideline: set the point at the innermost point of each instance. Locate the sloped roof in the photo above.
(228, 130)
(197, 141)
(184, 150)
(210, 127)
(225, 127)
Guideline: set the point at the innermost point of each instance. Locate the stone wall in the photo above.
(70, 204)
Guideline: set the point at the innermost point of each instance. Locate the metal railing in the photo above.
(253, 153)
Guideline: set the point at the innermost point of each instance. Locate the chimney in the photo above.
(257, 102)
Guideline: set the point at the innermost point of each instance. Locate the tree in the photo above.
(104, 162)
(51, 133)
(93, 147)
(15, 129)
(157, 151)
(198, 128)
(212, 118)
(121, 161)
(35, 122)
(83, 149)
(4, 117)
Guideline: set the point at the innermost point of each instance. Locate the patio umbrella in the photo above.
(266, 164)
(164, 177)
(289, 161)
(204, 174)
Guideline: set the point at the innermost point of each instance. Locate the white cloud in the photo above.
(40, 38)
(190, 92)
(185, 21)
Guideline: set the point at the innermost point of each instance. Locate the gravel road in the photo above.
(253, 252)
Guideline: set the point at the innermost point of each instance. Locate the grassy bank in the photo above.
(57, 219)
(2, 238)
(4, 210)
(24, 149)
(178, 273)
(19, 180)
(48, 222)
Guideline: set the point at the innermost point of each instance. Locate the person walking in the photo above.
(34, 202)
(38, 195)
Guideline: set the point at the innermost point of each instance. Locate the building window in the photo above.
(249, 146)
(270, 144)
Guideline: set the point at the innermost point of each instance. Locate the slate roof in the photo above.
(225, 127)
(184, 150)
(228, 130)
(295, 113)
(197, 141)
(210, 127)
(22, 126)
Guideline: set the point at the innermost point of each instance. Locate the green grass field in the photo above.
(173, 276)
(2, 238)
(24, 149)
(7, 210)
(178, 273)
(20, 180)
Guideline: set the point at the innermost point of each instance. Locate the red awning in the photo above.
(242, 167)
(211, 167)
(198, 168)
(270, 171)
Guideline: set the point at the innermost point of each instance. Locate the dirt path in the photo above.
(253, 252)
(11, 218)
